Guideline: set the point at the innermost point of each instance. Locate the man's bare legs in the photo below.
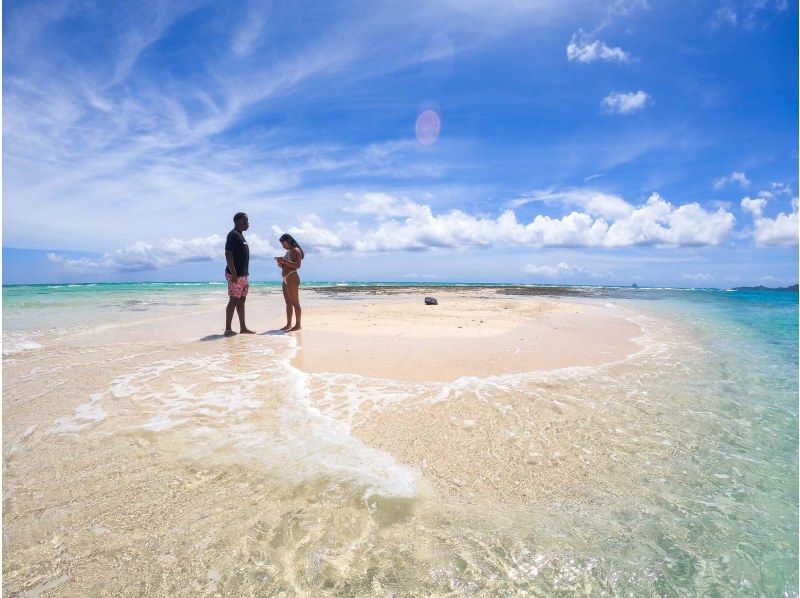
(229, 309)
(289, 308)
(240, 310)
(235, 304)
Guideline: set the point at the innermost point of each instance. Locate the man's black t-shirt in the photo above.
(241, 252)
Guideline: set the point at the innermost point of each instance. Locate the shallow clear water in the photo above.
(672, 473)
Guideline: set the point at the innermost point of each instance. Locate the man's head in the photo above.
(240, 221)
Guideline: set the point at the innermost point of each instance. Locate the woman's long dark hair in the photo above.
(290, 239)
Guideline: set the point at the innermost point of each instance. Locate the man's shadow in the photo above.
(213, 337)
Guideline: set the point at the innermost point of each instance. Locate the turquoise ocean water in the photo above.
(719, 515)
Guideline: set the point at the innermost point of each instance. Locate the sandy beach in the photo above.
(469, 333)
(387, 445)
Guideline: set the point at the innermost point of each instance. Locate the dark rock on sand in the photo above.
(431, 301)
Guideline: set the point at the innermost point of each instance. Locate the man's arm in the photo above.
(231, 267)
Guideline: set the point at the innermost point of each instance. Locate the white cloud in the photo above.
(561, 269)
(625, 102)
(382, 205)
(779, 231)
(754, 206)
(166, 254)
(581, 49)
(775, 190)
(415, 276)
(697, 277)
(734, 177)
(656, 222)
(399, 224)
(593, 202)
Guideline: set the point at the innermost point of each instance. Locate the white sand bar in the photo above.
(467, 334)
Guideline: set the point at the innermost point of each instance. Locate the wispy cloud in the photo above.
(150, 127)
(562, 269)
(776, 190)
(725, 15)
(739, 178)
(592, 201)
(248, 34)
(697, 277)
(748, 14)
(582, 48)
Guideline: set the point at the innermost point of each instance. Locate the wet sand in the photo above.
(148, 455)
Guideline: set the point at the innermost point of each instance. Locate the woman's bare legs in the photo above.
(289, 308)
(292, 286)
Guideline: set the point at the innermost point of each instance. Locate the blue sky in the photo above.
(573, 141)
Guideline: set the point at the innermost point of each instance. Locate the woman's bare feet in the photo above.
(229, 332)
(246, 331)
(286, 328)
(297, 327)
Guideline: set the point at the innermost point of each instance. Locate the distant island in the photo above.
(792, 288)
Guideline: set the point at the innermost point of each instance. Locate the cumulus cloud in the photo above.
(781, 230)
(625, 102)
(607, 222)
(754, 206)
(168, 253)
(735, 177)
(390, 223)
(582, 49)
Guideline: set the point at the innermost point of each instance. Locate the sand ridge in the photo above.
(467, 334)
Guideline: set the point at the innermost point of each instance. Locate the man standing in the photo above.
(237, 256)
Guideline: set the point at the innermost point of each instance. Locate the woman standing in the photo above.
(289, 265)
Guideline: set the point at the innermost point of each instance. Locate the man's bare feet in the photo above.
(285, 328)
(229, 333)
(297, 327)
(246, 331)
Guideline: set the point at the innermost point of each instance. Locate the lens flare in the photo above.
(427, 127)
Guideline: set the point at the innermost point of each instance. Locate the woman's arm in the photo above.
(293, 264)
